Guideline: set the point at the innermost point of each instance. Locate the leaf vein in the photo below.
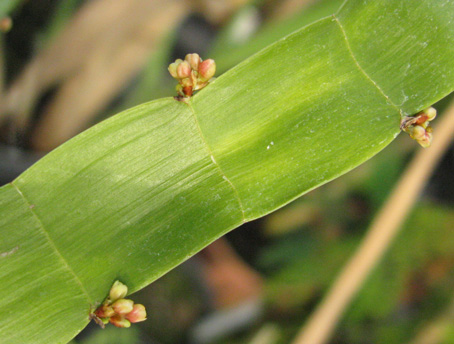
(344, 34)
(52, 244)
(221, 172)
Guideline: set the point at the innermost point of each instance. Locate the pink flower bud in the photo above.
(193, 60)
(118, 291)
(137, 314)
(173, 68)
(119, 321)
(184, 70)
(123, 306)
(207, 69)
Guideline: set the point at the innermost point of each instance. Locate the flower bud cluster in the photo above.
(119, 311)
(418, 126)
(192, 74)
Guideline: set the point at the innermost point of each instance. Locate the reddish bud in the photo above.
(137, 314)
(118, 291)
(187, 91)
(207, 69)
(123, 306)
(104, 311)
(193, 60)
(184, 70)
(421, 120)
(119, 321)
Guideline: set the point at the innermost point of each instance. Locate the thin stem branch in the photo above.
(384, 228)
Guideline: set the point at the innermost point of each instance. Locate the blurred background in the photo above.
(67, 64)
